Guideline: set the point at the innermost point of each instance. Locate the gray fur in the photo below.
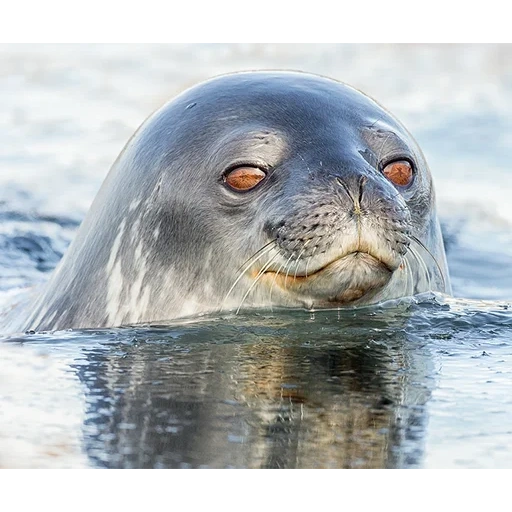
(165, 237)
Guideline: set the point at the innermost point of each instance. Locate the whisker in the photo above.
(256, 254)
(288, 271)
(422, 264)
(309, 258)
(252, 260)
(410, 279)
(257, 278)
(284, 264)
(288, 261)
(273, 283)
(298, 259)
(420, 243)
(409, 265)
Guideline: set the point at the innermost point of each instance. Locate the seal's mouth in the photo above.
(353, 276)
(361, 256)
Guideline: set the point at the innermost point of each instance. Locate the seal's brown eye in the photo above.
(399, 172)
(244, 178)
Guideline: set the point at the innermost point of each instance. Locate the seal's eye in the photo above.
(244, 178)
(399, 172)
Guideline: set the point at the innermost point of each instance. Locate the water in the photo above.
(421, 383)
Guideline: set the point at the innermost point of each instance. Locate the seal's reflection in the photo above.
(260, 391)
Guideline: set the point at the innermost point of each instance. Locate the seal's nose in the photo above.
(355, 193)
(367, 191)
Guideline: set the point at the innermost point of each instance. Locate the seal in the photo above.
(253, 189)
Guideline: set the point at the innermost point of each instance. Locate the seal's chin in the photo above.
(353, 278)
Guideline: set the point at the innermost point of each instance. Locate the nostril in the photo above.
(340, 182)
(362, 183)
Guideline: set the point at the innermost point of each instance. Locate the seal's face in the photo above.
(253, 189)
(325, 198)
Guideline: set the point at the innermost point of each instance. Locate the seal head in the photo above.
(253, 190)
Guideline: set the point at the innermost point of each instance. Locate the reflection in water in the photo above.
(340, 390)
(416, 384)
